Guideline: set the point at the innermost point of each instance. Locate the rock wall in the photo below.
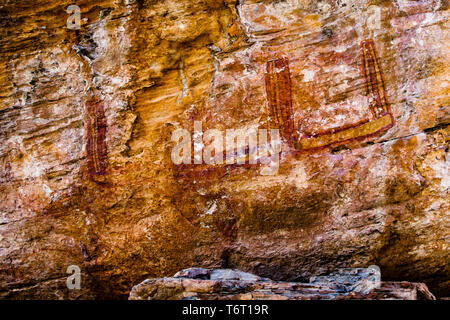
(358, 89)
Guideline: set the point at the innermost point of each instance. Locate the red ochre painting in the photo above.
(281, 116)
(96, 138)
(278, 89)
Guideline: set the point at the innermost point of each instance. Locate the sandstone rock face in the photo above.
(236, 285)
(359, 91)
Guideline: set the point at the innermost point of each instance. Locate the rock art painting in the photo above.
(96, 138)
(267, 142)
(278, 87)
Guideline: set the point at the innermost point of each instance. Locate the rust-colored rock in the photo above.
(358, 89)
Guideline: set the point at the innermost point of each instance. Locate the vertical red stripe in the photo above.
(96, 138)
(279, 95)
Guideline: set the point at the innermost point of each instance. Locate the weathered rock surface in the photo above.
(237, 285)
(86, 118)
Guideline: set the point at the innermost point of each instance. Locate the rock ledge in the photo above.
(230, 284)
